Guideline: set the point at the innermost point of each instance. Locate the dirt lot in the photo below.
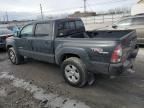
(40, 85)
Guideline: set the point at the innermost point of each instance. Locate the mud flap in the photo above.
(91, 79)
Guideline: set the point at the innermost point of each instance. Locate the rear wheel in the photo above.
(14, 57)
(74, 72)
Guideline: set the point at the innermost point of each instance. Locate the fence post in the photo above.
(103, 18)
(94, 20)
(86, 20)
(112, 18)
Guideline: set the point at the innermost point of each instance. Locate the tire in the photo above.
(14, 57)
(74, 72)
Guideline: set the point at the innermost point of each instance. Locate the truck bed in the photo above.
(103, 34)
(109, 34)
(127, 39)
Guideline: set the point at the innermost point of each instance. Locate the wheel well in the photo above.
(9, 46)
(65, 56)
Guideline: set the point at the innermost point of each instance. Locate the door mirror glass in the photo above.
(16, 34)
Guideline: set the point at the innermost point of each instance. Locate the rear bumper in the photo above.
(119, 68)
(111, 69)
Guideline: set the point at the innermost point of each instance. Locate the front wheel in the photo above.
(74, 72)
(14, 57)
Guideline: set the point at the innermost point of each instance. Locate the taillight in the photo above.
(117, 54)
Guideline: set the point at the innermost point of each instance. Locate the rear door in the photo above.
(43, 42)
(24, 42)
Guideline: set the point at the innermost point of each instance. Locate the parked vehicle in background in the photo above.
(14, 29)
(4, 33)
(133, 22)
(80, 53)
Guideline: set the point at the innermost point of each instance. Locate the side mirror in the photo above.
(114, 26)
(17, 34)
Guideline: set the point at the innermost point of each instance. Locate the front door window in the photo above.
(27, 31)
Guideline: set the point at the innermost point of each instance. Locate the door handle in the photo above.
(24, 38)
(46, 42)
(20, 47)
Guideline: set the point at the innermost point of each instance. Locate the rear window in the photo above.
(138, 21)
(65, 25)
(70, 27)
(79, 24)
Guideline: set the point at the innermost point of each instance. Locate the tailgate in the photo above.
(129, 46)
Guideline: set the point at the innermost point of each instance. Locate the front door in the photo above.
(24, 41)
(43, 42)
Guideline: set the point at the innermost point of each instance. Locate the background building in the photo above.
(138, 8)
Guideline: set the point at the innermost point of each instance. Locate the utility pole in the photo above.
(41, 9)
(7, 17)
(4, 19)
(85, 7)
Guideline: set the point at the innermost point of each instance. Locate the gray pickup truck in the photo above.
(79, 53)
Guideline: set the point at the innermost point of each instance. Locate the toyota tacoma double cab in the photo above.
(78, 52)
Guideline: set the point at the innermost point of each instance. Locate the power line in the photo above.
(7, 17)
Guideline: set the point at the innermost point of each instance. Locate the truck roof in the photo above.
(55, 19)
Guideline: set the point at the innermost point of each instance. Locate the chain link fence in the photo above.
(103, 18)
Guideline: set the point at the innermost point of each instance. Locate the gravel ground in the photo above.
(40, 85)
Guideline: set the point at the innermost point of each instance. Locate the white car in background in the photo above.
(132, 22)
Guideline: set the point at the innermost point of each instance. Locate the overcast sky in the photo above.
(60, 6)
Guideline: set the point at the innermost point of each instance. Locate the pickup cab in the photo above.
(78, 52)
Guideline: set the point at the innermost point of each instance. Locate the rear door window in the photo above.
(66, 28)
(43, 29)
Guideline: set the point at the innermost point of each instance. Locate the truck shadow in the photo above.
(123, 88)
(102, 80)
